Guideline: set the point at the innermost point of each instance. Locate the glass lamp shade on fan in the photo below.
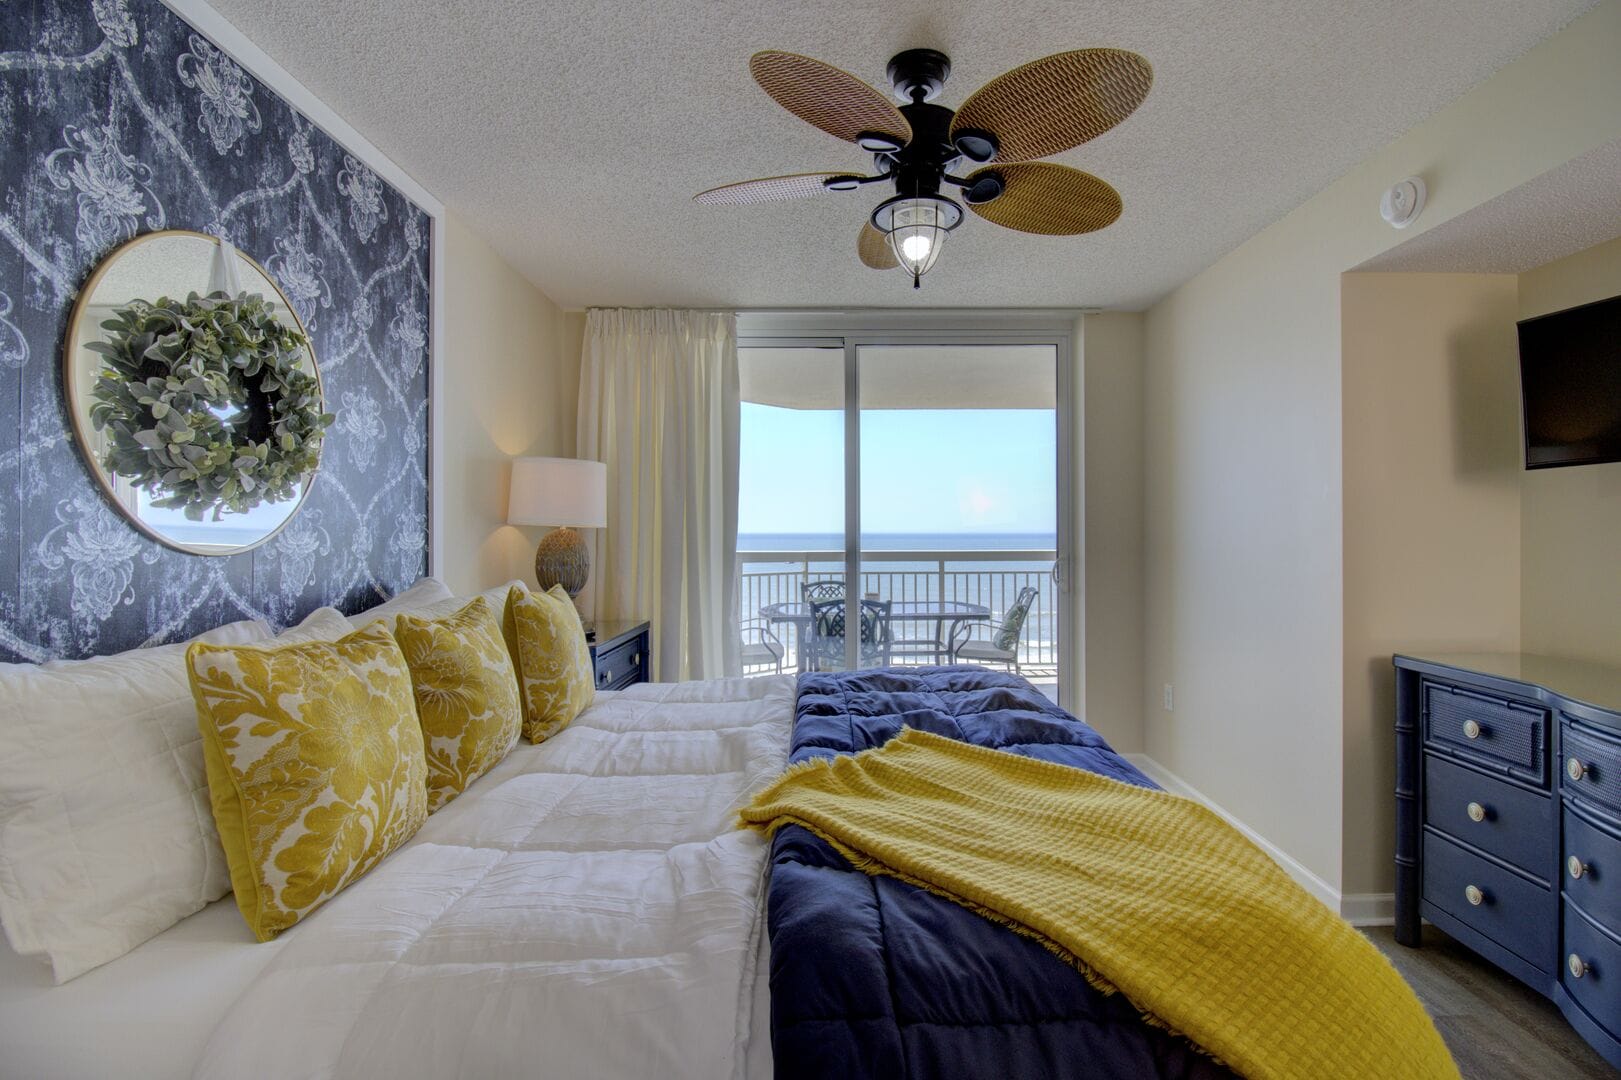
(916, 228)
(566, 493)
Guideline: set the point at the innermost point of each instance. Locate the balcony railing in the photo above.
(991, 578)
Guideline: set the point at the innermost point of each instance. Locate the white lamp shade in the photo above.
(558, 491)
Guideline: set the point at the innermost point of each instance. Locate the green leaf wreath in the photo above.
(206, 403)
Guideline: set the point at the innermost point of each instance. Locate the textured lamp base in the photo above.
(562, 559)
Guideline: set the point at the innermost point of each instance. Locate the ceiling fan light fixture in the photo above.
(916, 227)
(1034, 111)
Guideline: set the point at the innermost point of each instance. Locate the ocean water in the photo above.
(756, 544)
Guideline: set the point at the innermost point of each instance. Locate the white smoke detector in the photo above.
(1402, 204)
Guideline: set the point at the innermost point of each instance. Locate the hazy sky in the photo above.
(946, 471)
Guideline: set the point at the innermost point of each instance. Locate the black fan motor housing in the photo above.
(919, 74)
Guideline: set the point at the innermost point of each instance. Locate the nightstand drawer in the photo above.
(1516, 913)
(1491, 814)
(622, 665)
(1498, 733)
(1591, 767)
(1591, 872)
(1590, 968)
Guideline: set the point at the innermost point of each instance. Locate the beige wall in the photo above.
(1244, 456)
(1432, 509)
(1111, 351)
(509, 385)
(1243, 542)
(1571, 528)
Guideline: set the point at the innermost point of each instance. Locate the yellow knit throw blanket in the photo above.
(1146, 892)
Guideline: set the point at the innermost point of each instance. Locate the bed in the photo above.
(588, 908)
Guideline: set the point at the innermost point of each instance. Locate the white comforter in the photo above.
(586, 910)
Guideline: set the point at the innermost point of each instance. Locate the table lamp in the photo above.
(569, 494)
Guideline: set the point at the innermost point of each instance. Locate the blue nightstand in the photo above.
(621, 655)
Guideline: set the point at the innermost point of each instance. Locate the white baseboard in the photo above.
(1359, 909)
(1369, 908)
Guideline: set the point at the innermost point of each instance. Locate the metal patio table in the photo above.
(939, 612)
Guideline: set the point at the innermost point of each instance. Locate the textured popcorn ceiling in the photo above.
(573, 134)
(1561, 212)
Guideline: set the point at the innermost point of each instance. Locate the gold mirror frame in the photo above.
(80, 416)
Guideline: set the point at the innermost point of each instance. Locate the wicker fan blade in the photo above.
(875, 250)
(1057, 102)
(833, 100)
(767, 189)
(1052, 200)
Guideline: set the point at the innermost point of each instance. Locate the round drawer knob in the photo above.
(1576, 867)
(605, 676)
(1471, 729)
(1477, 812)
(1575, 769)
(1473, 894)
(1578, 966)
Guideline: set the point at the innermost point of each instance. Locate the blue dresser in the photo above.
(1508, 822)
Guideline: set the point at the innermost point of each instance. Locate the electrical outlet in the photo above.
(1170, 698)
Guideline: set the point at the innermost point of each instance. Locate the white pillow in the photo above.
(412, 600)
(322, 624)
(106, 837)
(496, 597)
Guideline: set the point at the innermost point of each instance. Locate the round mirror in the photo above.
(195, 394)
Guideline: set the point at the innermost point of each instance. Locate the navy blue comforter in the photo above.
(871, 977)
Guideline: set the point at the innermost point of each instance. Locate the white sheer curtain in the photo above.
(659, 405)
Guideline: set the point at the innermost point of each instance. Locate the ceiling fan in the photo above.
(1034, 111)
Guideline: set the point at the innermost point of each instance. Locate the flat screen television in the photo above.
(1570, 386)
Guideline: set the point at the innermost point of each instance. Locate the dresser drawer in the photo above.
(1592, 766)
(1513, 824)
(1499, 733)
(1516, 913)
(1590, 969)
(1591, 872)
(621, 666)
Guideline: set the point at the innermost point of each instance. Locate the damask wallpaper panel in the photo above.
(118, 118)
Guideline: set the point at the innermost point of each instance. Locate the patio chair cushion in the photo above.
(761, 652)
(985, 650)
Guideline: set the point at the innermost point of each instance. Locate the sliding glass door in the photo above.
(959, 502)
(791, 506)
(928, 469)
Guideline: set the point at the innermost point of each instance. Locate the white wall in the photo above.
(1111, 352)
(512, 363)
(1244, 453)
(1571, 526)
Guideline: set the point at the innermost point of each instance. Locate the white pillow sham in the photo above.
(427, 591)
(106, 836)
(496, 597)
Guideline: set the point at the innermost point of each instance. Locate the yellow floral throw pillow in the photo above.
(467, 695)
(554, 664)
(315, 766)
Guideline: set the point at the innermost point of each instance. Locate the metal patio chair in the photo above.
(767, 648)
(825, 644)
(828, 589)
(1002, 647)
